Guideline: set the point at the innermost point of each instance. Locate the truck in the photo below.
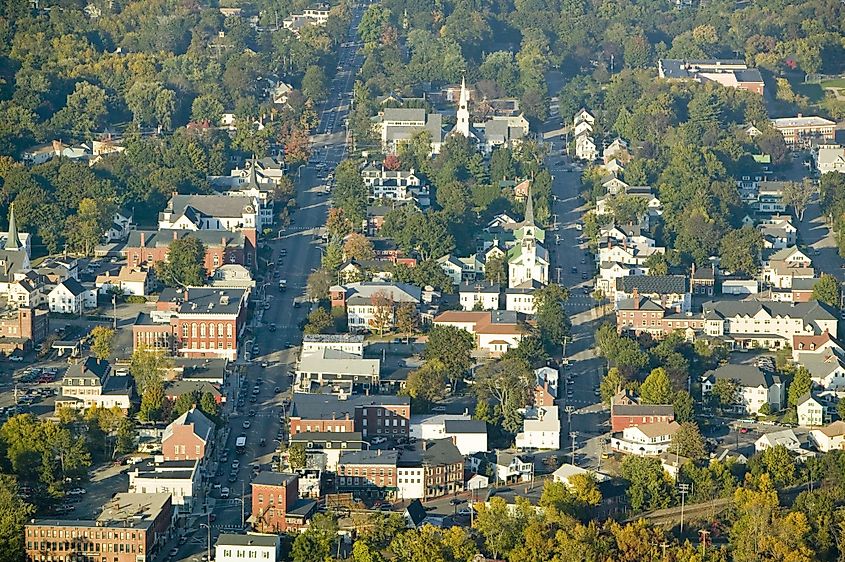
(240, 444)
(283, 284)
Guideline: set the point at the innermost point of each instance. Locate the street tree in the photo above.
(297, 456)
(153, 401)
(319, 322)
(684, 406)
(184, 266)
(496, 270)
(297, 144)
(552, 321)
(102, 341)
(316, 544)
(453, 348)
(318, 284)
(610, 384)
(724, 392)
(801, 384)
(656, 388)
(337, 225)
(797, 195)
(649, 486)
(314, 83)
(14, 513)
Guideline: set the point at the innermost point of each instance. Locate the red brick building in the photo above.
(370, 472)
(221, 247)
(23, 327)
(131, 528)
(276, 506)
(196, 322)
(188, 437)
(370, 415)
(626, 411)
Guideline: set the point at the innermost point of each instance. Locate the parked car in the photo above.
(379, 440)
(224, 493)
(246, 424)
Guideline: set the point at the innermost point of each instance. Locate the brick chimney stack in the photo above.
(143, 240)
(636, 297)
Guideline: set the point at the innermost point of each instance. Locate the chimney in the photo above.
(636, 296)
(223, 241)
(143, 240)
(175, 235)
(185, 295)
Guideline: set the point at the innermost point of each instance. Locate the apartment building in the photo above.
(222, 247)
(372, 416)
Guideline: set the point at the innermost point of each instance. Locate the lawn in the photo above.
(836, 83)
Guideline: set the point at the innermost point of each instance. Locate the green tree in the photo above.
(316, 543)
(209, 406)
(207, 108)
(801, 384)
(826, 290)
(657, 264)
(314, 84)
(610, 384)
(798, 195)
(84, 112)
(550, 314)
(297, 456)
(656, 388)
(148, 366)
(14, 515)
(86, 227)
(184, 402)
(153, 402)
(428, 383)
(350, 194)
(501, 528)
(496, 270)
(649, 486)
(724, 392)
(372, 23)
(319, 322)
(740, 250)
(688, 441)
(407, 319)
(508, 382)
(318, 284)
(102, 342)
(452, 347)
(684, 406)
(185, 264)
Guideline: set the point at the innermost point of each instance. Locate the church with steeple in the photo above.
(14, 253)
(528, 259)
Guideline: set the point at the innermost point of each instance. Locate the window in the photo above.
(202, 330)
(193, 330)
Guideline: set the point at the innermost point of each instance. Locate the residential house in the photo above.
(494, 331)
(371, 306)
(583, 116)
(461, 270)
(756, 389)
(252, 546)
(783, 266)
(626, 411)
(566, 471)
(69, 297)
(830, 158)
(770, 200)
(778, 233)
(511, 467)
(540, 428)
(198, 322)
(396, 185)
(91, 383)
(671, 291)
(188, 437)
(520, 298)
(121, 225)
(435, 468)
(479, 295)
(128, 282)
(826, 366)
(585, 148)
(801, 132)
(145, 520)
(468, 435)
(830, 437)
(614, 185)
(546, 387)
(811, 410)
(648, 439)
(276, 505)
(348, 343)
(232, 276)
(785, 438)
(28, 290)
(617, 150)
(729, 73)
(173, 389)
(703, 281)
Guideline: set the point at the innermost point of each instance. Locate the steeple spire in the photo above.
(462, 125)
(529, 209)
(13, 241)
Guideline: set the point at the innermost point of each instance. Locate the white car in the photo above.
(379, 440)
(224, 493)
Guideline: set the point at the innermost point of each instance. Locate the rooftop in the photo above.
(273, 478)
(322, 406)
(226, 539)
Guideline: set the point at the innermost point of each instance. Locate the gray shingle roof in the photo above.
(465, 426)
(205, 300)
(808, 311)
(653, 284)
(323, 406)
(231, 206)
(745, 375)
(164, 238)
(274, 478)
(368, 457)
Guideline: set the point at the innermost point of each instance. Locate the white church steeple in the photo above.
(462, 126)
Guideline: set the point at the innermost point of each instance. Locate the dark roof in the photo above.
(645, 303)
(808, 311)
(643, 410)
(432, 453)
(205, 300)
(368, 457)
(90, 368)
(323, 406)
(74, 286)
(465, 426)
(479, 287)
(745, 375)
(274, 478)
(180, 387)
(227, 539)
(748, 75)
(211, 205)
(653, 284)
(118, 385)
(416, 513)
(165, 237)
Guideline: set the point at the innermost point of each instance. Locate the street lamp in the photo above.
(208, 528)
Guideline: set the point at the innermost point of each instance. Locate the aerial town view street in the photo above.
(460, 281)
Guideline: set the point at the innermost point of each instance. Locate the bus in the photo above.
(240, 444)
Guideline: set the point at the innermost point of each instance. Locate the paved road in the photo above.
(262, 406)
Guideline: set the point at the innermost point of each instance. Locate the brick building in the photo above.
(197, 322)
(188, 437)
(372, 473)
(21, 328)
(626, 411)
(276, 505)
(131, 528)
(376, 415)
(148, 247)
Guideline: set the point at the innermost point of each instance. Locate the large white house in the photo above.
(396, 185)
(253, 546)
(540, 429)
(92, 383)
(70, 297)
(180, 479)
(650, 439)
(755, 387)
(829, 438)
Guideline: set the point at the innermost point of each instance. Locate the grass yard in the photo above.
(836, 83)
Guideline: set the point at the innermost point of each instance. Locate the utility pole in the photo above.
(573, 435)
(683, 489)
(704, 536)
(569, 409)
(243, 507)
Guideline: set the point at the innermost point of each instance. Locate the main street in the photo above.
(294, 254)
